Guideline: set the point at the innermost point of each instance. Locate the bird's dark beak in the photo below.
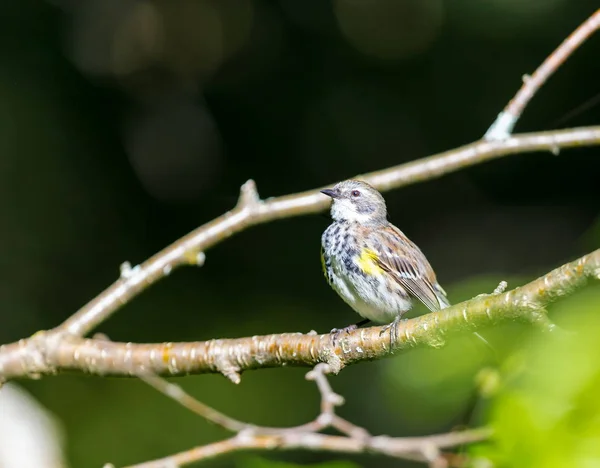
(330, 193)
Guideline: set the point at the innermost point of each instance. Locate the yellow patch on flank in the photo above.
(366, 262)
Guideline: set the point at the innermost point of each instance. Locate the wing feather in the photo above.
(325, 265)
(403, 260)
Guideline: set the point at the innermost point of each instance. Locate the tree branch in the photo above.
(354, 439)
(250, 210)
(507, 119)
(400, 447)
(47, 353)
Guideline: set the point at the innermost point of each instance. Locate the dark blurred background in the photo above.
(127, 123)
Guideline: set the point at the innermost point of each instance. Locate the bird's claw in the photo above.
(336, 332)
(393, 328)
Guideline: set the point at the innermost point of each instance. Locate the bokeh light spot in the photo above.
(175, 149)
(390, 29)
(188, 38)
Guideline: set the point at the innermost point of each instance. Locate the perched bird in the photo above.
(370, 263)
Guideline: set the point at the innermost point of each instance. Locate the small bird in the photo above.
(370, 263)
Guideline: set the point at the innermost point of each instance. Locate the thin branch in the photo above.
(178, 394)
(175, 392)
(329, 401)
(354, 439)
(45, 353)
(389, 446)
(506, 120)
(250, 210)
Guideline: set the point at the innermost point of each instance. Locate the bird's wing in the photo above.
(324, 265)
(403, 260)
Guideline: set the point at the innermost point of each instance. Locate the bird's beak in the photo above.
(330, 193)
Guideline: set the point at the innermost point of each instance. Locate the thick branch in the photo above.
(250, 210)
(41, 353)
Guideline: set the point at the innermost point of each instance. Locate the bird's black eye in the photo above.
(355, 193)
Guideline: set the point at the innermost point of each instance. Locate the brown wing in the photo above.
(405, 262)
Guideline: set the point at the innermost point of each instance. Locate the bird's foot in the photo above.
(393, 328)
(336, 332)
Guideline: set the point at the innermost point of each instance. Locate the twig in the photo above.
(329, 401)
(175, 392)
(43, 354)
(500, 288)
(317, 442)
(354, 439)
(506, 120)
(250, 210)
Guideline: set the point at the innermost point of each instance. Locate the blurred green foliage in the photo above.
(546, 411)
(430, 388)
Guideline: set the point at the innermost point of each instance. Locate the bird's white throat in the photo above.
(345, 210)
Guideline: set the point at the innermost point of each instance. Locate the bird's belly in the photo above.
(369, 295)
(377, 312)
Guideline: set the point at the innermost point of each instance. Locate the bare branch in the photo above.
(354, 439)
(410, 448)
(177, 393)
(189, 250)
(47, 353)
(506, 120)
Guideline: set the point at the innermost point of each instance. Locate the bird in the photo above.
(372, 265)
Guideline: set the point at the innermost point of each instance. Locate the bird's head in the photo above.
(356, 201)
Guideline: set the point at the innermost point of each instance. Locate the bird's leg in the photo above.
(393, 328)
(336, 332)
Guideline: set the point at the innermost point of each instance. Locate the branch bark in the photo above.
(250, 210)
(47, 352)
